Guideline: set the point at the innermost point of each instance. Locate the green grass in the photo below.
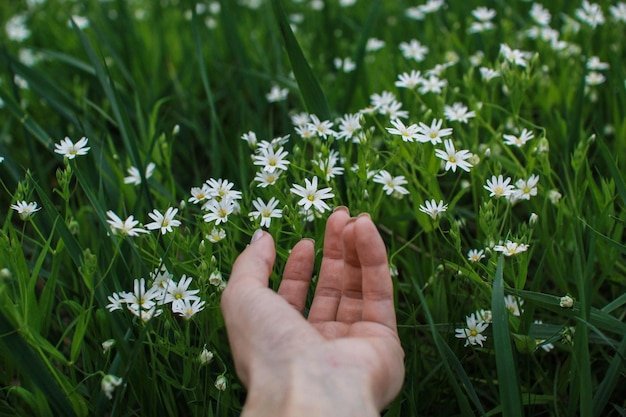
(176, 83)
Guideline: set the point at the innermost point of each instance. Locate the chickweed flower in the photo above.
(164, 222)
(409, 80)
(488, 74)
(413, 50)
(218, 211)
(566, 302)
(514, 56)
(454, 158)
(109, 383)
(25, 210)
(457, 113)
(511, 248)
(69, 149)
(473, 332)
(124, 227)
(200, 194)
(221, 383)
(180, 292)
(216, 234)
(271, 160)
(205, 357)
(134, 176)
(433, 133)
(499, 186)
(277, 94)
(222, 189)
(311, 196)
(391, 185)
(514, 304)
(266, 211)
(187, 308)
(475, 255)
(322, 128)
(433, 209)
(407, 133)
(266, 178)
(520, 140)
(590, 13)
(526, 188)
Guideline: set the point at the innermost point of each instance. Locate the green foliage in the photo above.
(169, 87)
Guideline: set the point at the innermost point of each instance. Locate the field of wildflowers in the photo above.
(143, 142)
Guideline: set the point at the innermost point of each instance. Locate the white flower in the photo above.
(618, 12)
(483, 14)
(277, 94)
(475, 255)
(454, 158)
(540, 14)
(124, 227)
(199, 194)
(413, 50)
(109, 383)
(16, 28)
(526, 189)
(511, 248)
(187, 308)
(473, 332)
(566, 302)
(215, 278)
(409, 80)
(322, 128)
(165, 222)
(374, 44)
(179, 292)
(69, 149)
(222, 189)
(499, 186)
(408, 133)
(594, 78)
(266, 211)
(349, 125)
(311, 196)
(107, 345)
(116, 301)
(216, 234)
(250, 138)
(488, 74)
(513, 304)
(433, 133)
(520, 140)
(433, 209)
(554, 196)
(218, 211)
(271, 160)
(328, 166)
(432, 84)
(391, 184)
(457, 113)
(265, 178)
(205, 357)
(590, 13)
(25, 209)
(514, 56)
(221, 383)
(134, 176)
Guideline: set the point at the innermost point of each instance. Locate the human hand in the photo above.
(346, 358)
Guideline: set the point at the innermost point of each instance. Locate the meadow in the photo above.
(143, 142)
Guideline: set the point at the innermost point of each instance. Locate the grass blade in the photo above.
(508, 384)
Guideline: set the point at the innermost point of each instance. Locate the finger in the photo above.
(297, 274)
(377, 287)
(351, 301)
(328, 289)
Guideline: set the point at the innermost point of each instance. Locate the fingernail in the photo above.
(309, 239)
(364, 214)
(342, 208)
(258, 234)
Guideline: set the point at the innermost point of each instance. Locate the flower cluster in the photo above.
(147, 304)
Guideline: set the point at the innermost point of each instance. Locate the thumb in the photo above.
(254, 265)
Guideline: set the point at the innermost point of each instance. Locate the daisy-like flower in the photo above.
(250, 138)
(432, 84)
(162, 279)
(483, 14)
(134, 176)
(520, 140)
(473, 332)
(409, 80)
(514, 56)
(349, 125)
(433, 133)
(499, 186)
(311, 196)
(381, 100)
(266, 211)
(407, 133)
(69, 149)
(140, 299)
(165, 222)
(394, 111)
(595, 64)
(391, 185)
(300, 119)
(200, 194)
(590, 13)
(218, 211)
(413, 50)
(514, 304)
(554, 196)
(488, 74)
(188, 308)
(322, 128)
(540, 14)
(265, 178)
(457, 113)
(618, 12)
(221, 383)
(594, 78)
(115, 302)
(454, 158)
(17, 29)
(215, 278)
(328, 165)
(475, 255)
(24, 209)
(216, 234)
(271, 160)
(179, 292)
(277, 94)
(124, 227)
(511, 248)
(433, 209)
(526, 189)
(221, 189)
(374, 44)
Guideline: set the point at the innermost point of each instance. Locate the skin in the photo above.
(345, 359)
